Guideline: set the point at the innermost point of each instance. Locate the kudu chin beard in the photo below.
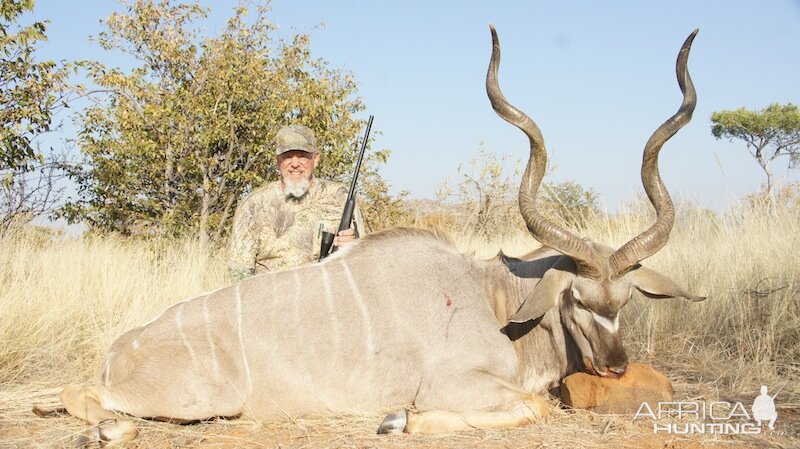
(296, 189)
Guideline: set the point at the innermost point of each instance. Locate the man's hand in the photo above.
(345, 237)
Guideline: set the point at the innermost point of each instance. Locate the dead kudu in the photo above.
(399, 319)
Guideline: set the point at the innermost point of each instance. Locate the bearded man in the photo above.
(279, 225)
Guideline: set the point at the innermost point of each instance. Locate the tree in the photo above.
(29, 93)
(769, 133)
(486, 191)
(569, 203)
(174, 144)
(28, 89)
(32, 192)
(379, 208)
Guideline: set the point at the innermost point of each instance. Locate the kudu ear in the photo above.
(544, 296)
(655, 285)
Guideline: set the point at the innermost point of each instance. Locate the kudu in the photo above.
(398, 319)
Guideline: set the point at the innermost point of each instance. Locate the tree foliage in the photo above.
(569, 203)
(485, 192)
(380, 209)
(29, 89)
(173, 145)
(769, 133)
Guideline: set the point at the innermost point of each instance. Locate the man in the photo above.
(279, 225)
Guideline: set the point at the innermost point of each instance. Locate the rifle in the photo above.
(779, 391)
(350, 205)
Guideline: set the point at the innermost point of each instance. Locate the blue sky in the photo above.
(598, 78)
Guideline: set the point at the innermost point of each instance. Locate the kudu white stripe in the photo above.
(610, 325)
(107, 369)
(211, 345)
(334, 318)
(362, 307)
(184, 340)
(246, 365)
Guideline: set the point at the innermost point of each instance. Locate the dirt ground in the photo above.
(566, 429)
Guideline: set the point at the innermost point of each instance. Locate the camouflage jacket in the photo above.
(272, 232)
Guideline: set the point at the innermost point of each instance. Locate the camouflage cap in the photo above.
(295, 137)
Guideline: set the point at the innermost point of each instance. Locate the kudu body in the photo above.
(398, 319)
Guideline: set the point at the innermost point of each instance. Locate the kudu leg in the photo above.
(526, 412)
(472, 388)
(84, 403)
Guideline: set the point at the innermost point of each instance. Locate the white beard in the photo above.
(296, 189)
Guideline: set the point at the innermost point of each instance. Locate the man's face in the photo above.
(297, 168)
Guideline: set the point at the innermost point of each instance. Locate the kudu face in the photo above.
(590, 294)
(590, 311)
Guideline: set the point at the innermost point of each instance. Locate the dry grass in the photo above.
(565, 429)
(63, 301)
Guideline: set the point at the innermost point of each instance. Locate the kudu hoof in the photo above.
(90, 438)
(393, 423)
(105, 432)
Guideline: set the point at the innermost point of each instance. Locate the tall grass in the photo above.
(747, 262)
(63, 301)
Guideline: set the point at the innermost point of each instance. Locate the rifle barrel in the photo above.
(360, 157)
